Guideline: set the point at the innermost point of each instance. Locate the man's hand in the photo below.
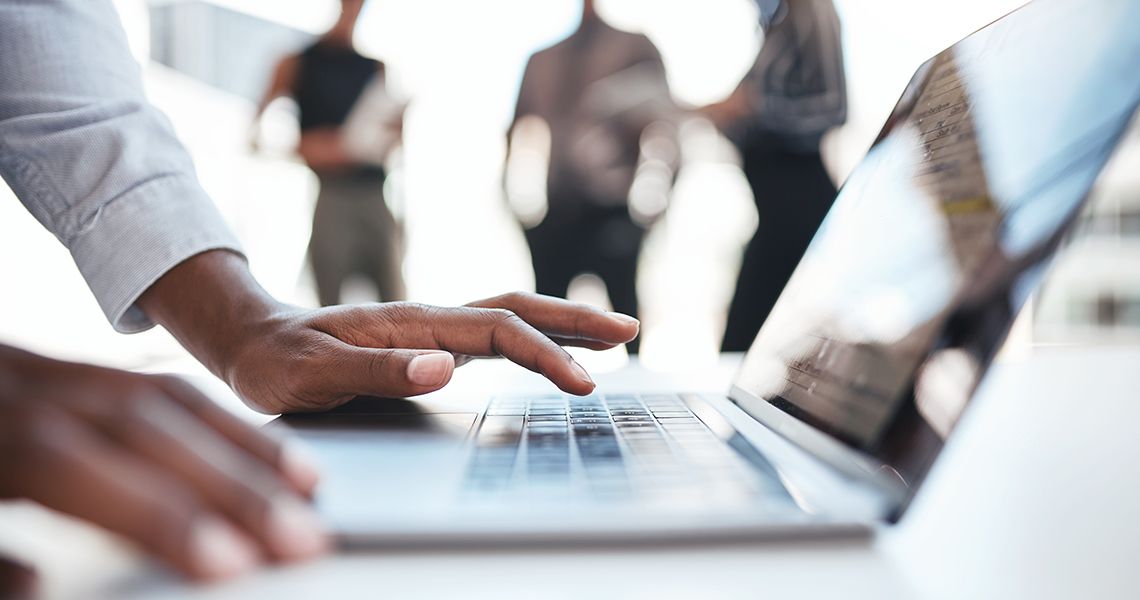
(151, 458)
(304, 360)
(285, 359)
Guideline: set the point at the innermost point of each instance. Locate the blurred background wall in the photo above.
(460, 63)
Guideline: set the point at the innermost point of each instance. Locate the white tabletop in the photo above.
(1037, 495)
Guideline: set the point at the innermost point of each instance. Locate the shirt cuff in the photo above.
(138, 237)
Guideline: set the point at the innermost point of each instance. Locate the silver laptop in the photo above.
(858, 377)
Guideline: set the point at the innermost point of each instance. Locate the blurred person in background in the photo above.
(149, 456)
(604, 96)
(795, 93)
(354, 232)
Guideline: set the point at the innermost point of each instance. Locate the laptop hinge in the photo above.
(817, 486)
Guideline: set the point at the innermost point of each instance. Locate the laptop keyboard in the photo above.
(608, 446)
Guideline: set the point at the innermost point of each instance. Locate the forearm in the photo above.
(212, 305)
(323, 151)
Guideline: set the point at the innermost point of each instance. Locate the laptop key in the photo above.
(590, 421)
(593, 429)
(577, 416)
(546, 419)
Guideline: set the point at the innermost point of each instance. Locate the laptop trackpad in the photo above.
(380, 455)
(384, 417)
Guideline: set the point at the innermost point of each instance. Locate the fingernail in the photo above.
(581, 373)
(299, 466)
(626, 319)
(218, 550)
(293, 530)
(430, 369)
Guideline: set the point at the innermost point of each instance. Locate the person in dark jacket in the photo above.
(603, 94)
(795, 92)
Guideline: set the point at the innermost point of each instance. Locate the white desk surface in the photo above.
(1037, 495)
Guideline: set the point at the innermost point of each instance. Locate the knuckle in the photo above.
(429, 313)
(501, 315)
(581, 321)
(410, 310)
(396, 317)
(514, 298)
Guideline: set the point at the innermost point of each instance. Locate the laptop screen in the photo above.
(939, 235)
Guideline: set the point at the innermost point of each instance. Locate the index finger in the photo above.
(491, 332)
(566, 320)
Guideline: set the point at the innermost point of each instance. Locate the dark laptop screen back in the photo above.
(939, 235)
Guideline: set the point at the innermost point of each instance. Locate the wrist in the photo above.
(213, 306)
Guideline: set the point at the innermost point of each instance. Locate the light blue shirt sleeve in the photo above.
(91, 159)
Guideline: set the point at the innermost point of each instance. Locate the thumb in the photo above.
(393, 373)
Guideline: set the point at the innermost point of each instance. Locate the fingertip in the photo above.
(580, 389)
(630, 325)
(584, 384)
(625, 320)
(218, 551)
(299, 467)
(293, 530)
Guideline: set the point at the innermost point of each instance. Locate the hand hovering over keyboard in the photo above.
(150, 458)
(280, 358)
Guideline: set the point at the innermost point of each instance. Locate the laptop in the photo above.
(858, 377)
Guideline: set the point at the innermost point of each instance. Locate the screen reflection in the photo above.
(932, 246)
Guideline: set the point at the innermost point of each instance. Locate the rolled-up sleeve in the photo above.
(91, 159)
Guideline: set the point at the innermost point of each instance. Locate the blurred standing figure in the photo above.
(794, 94)
(604, 96)
(353, 230)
